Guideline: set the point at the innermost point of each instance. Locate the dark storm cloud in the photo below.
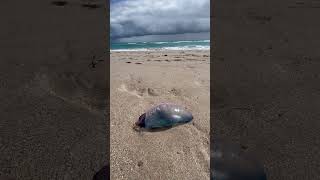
(167, 37)
(163, 17)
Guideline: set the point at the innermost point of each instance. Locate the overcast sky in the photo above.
(159, 20)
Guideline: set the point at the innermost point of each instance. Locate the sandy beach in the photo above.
(52, 102)
(266, 83)
(140, 80)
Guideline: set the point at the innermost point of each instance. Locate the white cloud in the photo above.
(159, 17)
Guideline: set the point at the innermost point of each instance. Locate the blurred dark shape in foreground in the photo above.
(103, 173)
(229, 163)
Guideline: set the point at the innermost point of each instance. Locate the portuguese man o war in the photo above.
(163, 116)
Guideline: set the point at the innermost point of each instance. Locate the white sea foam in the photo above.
(191, 41)
(159, 42)
(136, 49)
(197, 47)
(181, 41)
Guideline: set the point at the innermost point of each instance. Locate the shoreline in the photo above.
(156, 50)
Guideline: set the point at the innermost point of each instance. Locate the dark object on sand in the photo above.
(103, 174)
(93, 62)
(91, 6)
(59, 3)
(228, 163)
(164, 115)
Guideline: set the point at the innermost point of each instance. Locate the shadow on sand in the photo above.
(103, 173)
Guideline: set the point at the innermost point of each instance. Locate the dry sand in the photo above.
(266, 83)
(140, 80)
(52, 103)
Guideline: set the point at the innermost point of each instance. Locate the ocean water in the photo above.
(164, 45)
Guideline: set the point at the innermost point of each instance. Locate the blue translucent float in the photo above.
(164, 115)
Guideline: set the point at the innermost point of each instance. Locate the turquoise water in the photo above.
(164, 45)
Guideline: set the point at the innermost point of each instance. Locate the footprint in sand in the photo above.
(39, 86)
(78, 87)
(138, 92)
(124, 89)
(176, 92)
(136, 86)
(197, 83)
(152, 92)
